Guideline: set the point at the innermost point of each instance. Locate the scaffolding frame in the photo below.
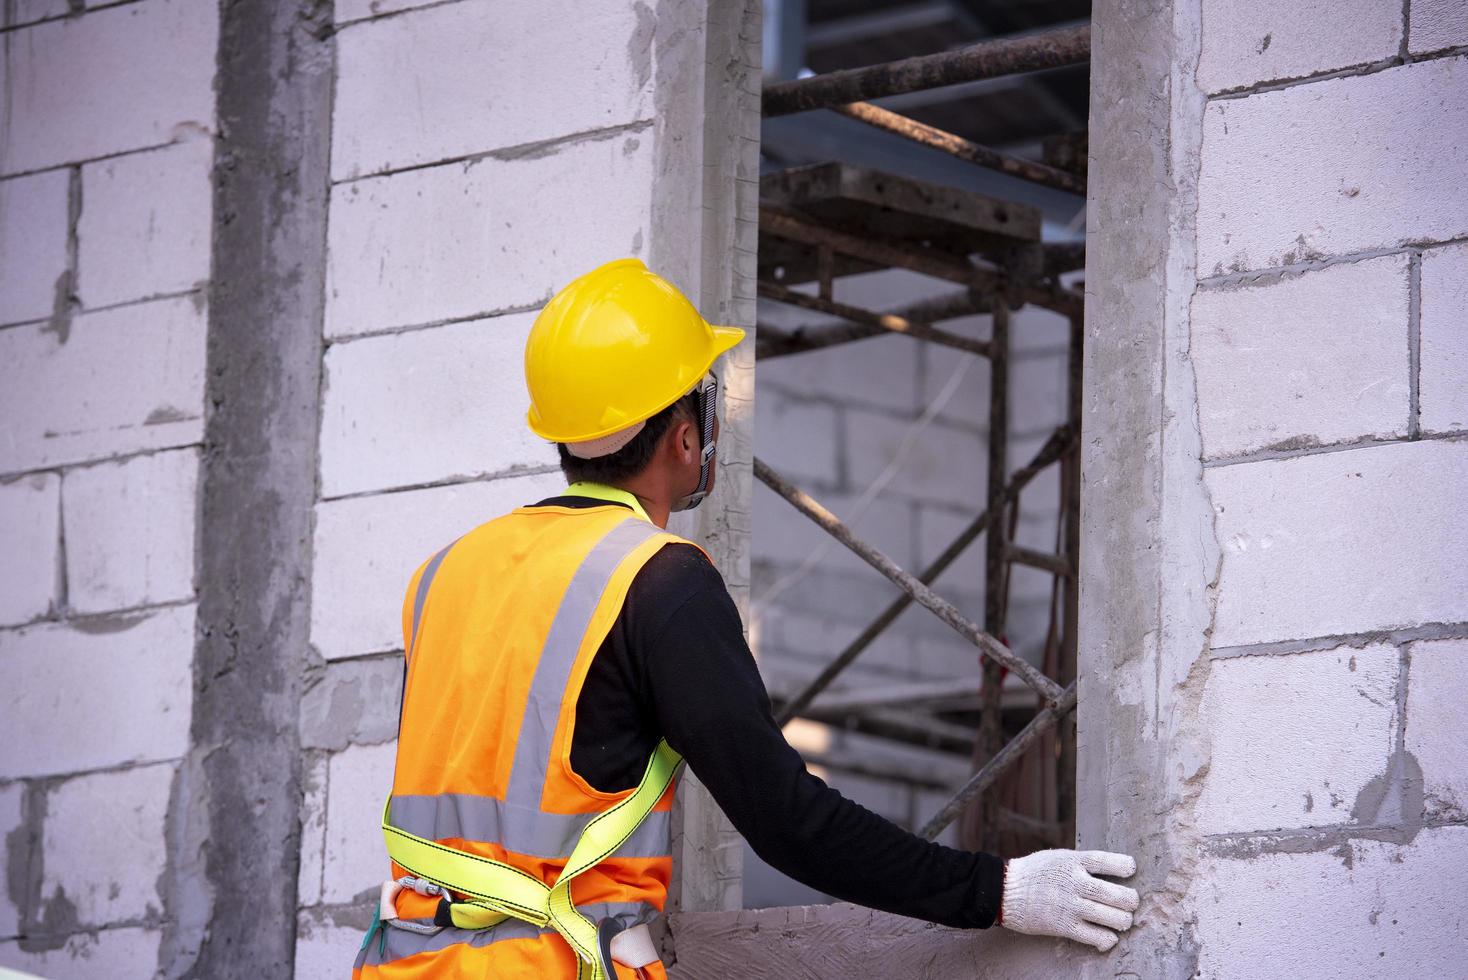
(1026, 276)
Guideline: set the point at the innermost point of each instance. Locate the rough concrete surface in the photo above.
(239, 793)
(1149, 553)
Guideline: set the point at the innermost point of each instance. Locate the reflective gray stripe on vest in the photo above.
(424, 581)
(523, 830)
(401, 943)
(553, 671)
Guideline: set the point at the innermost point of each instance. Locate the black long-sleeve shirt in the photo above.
(676, 666)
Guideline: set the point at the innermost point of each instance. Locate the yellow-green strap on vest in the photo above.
(600, 491)
(501, 890)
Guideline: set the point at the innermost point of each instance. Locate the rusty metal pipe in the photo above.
(1006, 757)
(881, 321)
(956, 146)
(986, 59)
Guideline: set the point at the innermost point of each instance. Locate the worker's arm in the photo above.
(712, 707)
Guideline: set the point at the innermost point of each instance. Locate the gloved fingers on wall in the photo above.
(1102, 939)
(1104, 915)
(1109, 893)
(1108, 863)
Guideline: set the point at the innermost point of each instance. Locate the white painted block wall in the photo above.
(1327, 337)
(106, 156)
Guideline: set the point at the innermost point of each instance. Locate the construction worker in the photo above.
(562, 658)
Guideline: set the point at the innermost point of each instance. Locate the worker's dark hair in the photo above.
(632, 458)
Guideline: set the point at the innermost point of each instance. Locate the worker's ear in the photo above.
(685, 440)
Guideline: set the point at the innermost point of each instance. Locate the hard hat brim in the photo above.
(726, 338)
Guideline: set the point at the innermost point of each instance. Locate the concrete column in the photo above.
(705, 229)
(233, 851)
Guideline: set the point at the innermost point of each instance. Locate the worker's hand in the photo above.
(1053, 893)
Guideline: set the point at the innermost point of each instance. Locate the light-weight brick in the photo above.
(102, 844)
(1295, 738)
(34, 218)
(1443, 381)
(101, 692)
(881, 371)
(113, 954)
(428, 405)
(943, 464)
(1332, 168)
(358, 780)
(798, 439)
(30, 523)
(325, 945)
(12, 817)
(1437, 716)
(1249, 41)
(146, 225)
(115, 80)
(1438, 25)
(1307, 361)
(119, 381)
(352, 703)
(460, 241)
(1341, 542)
(1362, 909)
(368, 547)
(419, 88)
(130, 531)
(937, 529)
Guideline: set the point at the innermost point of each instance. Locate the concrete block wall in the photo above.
(106, 155)
(834, 421)
(1287, 422)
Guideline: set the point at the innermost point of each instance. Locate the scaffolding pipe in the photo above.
(956, 146)
(775, 342)
(788, 226)
(1007, 756)
(986, 59)
(1048, 690)
(1054, 564)
(1059, 442)
(881, 321)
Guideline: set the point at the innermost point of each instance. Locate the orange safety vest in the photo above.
(499, 630)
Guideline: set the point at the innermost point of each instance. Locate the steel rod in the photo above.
(996, 570)
(1007, 756)
(1054, 564)
(926, 597)
(781, 224)
(774, 342)
(883, 321)
(986, 59)
(956, 146)
(1058, 443)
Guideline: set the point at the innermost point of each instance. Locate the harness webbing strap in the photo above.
(498, 890)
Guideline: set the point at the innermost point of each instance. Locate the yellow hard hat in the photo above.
(614, 348)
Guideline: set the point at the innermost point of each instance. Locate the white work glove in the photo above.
(1052, 893)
